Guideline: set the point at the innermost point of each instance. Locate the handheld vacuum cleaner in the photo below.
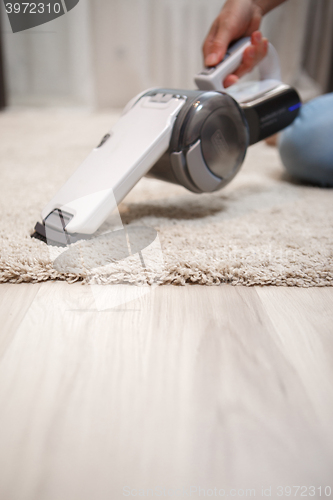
(195, 138)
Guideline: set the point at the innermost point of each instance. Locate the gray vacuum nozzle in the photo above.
(53, 230)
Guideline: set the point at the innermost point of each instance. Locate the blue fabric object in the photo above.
(306, 147)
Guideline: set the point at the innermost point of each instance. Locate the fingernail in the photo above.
(211, 60)
(258, 37)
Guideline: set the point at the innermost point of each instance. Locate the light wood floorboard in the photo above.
(226, 387)
(14, 304)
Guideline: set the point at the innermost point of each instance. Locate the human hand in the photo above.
(238, 18)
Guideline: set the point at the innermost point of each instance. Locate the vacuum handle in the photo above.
(139, 138)
(212, 78)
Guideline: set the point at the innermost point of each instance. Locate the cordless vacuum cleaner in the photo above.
(195, 138)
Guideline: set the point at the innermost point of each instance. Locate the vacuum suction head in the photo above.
(53, 230)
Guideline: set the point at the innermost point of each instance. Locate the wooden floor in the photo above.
(103, 397)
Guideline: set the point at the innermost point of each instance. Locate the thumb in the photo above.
(216, 44)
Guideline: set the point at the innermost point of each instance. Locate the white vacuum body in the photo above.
(195, 138)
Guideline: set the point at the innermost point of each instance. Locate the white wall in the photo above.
(105, 51)
(50, 64)
(146, 43)
(318, 51)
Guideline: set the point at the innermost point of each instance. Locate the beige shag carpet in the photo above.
(262, 229)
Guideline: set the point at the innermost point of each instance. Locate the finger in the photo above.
(206, 48)
(256, 38)
(262, 50)
(230, 80)
(216, 44)
(260, 44)
(251, 57)
(248, 61)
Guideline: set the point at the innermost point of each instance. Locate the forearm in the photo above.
(267, 5)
